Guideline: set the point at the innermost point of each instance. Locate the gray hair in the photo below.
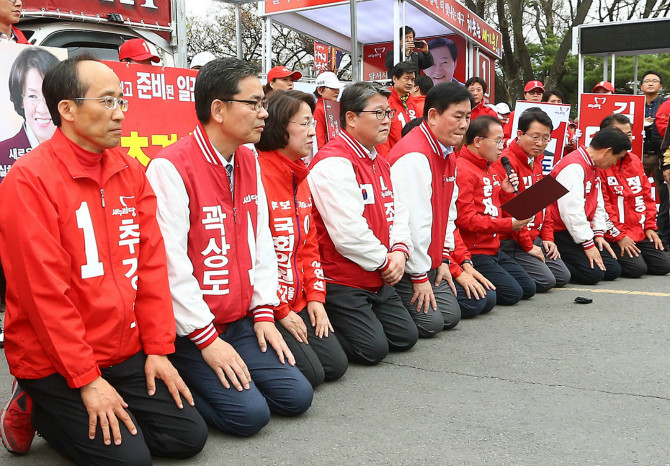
(355, 97)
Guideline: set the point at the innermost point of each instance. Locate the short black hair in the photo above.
(534, 114)
(30, 58)
(410, 126)
(444, 42)
(441, 96)
(660, 76)
(62, 83)
(480, 127)
(355, 97)
(402, 32)
(282, 107)
(613, 119)
(478, 80)
(553, 91)
(404, 67)
(219, 79)
(424, 83)
(611, 138)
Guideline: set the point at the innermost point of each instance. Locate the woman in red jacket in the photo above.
(286, 139)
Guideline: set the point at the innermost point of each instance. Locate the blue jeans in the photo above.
(275, 386)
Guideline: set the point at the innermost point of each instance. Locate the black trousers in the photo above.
(650, 261)
(575, 259)
(368, 324)
(59, 415)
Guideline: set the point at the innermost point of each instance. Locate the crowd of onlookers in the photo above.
(258, 256)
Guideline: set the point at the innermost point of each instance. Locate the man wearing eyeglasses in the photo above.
(533, 246)
(656, 112)
(435, 289)
(401, 101)
(89, 320)
(480, 219)
(362, 230)
(213, 213)
(10, 13)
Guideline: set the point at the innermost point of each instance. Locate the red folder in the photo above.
(539, 196)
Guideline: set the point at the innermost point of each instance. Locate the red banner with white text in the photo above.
(161, 107)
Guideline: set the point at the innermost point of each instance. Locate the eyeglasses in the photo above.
(257, 105)
(110, 102)
(651, 81)
(543, 139)
(498, 142)
(306, 124)
(34, 100)
(381, 114)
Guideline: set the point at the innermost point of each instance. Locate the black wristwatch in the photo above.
(466, 261)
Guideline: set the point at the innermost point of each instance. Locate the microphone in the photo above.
(508, 168)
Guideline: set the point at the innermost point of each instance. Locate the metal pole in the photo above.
(397, 42)
(580, 81)
(355, 75)
(268, 44)
(613, 68)
(635, 77)
(238, 31)
(605, 68)
(180, 12)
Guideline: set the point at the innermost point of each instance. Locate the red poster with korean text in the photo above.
(161, 107)
(332, 111)
(321, 56)
(446, 68)
(593, 108)
(151, 12)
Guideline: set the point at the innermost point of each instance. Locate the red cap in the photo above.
(604, 85)
(283, 72)
(136, 49)
(530, 85)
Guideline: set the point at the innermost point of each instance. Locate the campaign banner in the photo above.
(161, 108)
(593, 108)
(560, 117)
(446, 68)
(332, 112)
(321, 56)
(25, 120)
(149, 12)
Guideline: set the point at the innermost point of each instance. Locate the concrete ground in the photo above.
(543, 382)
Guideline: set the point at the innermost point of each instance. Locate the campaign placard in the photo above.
(593, 108)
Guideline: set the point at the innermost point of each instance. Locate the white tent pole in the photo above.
(605, 68)
(613, 69)
(397, 44)
(580, 80)
(238, 31)
(635, 77)
(268, 44)
(355, 75)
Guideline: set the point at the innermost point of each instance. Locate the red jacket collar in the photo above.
(473, 158)
(112, 162)
(20, 38)
(285, 167)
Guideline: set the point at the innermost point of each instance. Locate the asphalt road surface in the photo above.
(544, 382)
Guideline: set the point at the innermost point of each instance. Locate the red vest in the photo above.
(443, 169)
(218, 238)
(591, 182)
(374, 179)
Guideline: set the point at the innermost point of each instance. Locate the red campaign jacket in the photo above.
(293, 232)
(87, 277)
(429, 245)
(481, 109)
(373, 176)
(627, 196)
(321, 126)
(20, 38)
(403, 115)
(541, 225)
(661, 118)
(479, 215)
(223, 237)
